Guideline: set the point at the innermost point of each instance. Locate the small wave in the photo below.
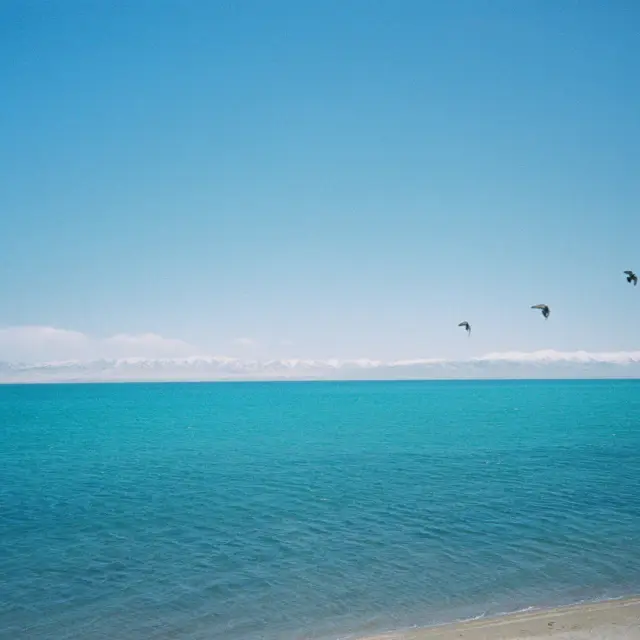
(402, 633)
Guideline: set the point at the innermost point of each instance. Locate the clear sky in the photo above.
(340, 178)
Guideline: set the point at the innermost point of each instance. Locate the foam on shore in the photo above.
(611, 620)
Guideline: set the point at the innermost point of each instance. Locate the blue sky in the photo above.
(336, 179)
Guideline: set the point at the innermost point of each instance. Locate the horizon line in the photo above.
(240, 380)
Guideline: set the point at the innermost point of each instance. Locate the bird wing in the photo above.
(629, 273)
(539, 306)
(463, 324)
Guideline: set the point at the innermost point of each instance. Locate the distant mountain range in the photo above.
(539, 364)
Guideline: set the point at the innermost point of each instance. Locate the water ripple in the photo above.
(290, 511)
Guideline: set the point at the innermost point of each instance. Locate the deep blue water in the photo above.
(291, 510)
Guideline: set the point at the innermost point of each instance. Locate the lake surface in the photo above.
(311, 510)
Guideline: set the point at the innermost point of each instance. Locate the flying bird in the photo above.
(632, 277)
(466, 326)
(544, 308)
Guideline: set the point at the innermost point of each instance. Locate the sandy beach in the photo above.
(612, 620)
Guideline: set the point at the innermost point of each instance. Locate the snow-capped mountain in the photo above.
(539, 364)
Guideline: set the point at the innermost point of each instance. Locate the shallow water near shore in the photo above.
(311, 510)
(617, 619)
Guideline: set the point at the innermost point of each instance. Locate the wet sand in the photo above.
(612, 620)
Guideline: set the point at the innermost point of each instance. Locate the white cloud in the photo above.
(37, 344)
(148, 345)
(29, 343)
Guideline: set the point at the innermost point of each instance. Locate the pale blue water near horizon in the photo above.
(311, 510)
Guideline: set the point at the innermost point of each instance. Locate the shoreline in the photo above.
(617, 619)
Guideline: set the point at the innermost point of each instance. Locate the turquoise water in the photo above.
(315, 510)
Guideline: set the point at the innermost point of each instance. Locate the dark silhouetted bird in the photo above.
(544, 308)
(632, 277)
(467, 327)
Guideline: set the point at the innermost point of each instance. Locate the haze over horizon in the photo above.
(329, 183)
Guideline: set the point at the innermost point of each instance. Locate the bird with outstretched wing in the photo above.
(544, 308)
